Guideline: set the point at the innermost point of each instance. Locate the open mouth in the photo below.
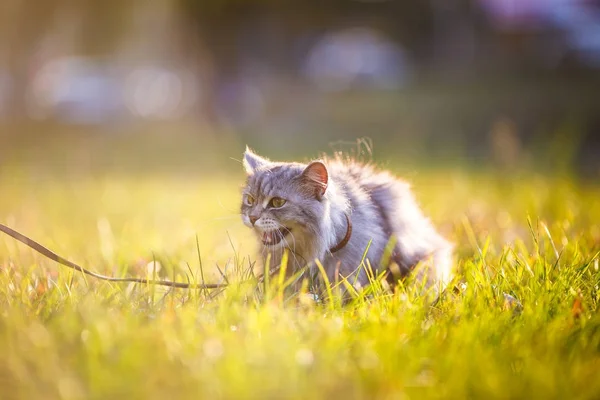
(274, 237)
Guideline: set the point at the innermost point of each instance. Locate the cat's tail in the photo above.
(443, 264)
(431, 270)
(434, 273)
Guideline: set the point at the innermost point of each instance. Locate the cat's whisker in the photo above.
(283, 231)
(293, 252)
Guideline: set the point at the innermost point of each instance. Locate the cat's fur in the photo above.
(318, 196)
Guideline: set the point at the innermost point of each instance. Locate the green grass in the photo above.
(66, 336)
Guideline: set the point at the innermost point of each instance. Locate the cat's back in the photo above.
(367, 178)
(385, 205)
(386, 198)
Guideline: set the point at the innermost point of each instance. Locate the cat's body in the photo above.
(338, 211)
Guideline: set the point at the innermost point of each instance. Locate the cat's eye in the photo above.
(250, 200)
(277, 202)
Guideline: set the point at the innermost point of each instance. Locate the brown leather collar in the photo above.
(346, 238)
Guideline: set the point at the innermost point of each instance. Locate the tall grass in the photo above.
(520, 320)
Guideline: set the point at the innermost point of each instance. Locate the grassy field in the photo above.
(65, 336)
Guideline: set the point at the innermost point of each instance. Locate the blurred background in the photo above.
(146, 85)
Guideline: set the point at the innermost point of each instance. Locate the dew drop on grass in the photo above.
(213, 349)
(305, 357)
(338, 324)
(153, 267)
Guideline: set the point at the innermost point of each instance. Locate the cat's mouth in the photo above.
(274, 237)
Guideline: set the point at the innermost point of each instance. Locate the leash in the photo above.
(63, 261)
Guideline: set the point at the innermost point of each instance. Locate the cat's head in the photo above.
(284, 203)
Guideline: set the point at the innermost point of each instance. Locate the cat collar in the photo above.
(346, 238)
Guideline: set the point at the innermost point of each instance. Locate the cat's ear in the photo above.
(253, 161)
(316, 177)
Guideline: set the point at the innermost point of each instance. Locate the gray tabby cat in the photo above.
(335, 211)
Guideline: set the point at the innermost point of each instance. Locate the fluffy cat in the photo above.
(336, 211)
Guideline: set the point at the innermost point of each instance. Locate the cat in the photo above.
(348, 215)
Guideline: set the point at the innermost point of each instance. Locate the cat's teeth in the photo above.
(268, 237)
(273, 237)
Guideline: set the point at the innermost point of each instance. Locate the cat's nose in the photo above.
(253, 219)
